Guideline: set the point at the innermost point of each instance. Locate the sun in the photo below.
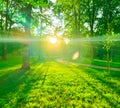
(53, 40)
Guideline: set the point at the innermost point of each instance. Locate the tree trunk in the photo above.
(26, 55)
(25, 60)
(75, 22)
(92, 20)
(79, 17)
(41, 23)
(4, 45)
(4, 51)
(108, 62)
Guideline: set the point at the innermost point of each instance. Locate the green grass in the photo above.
(90, 61)
(10, 62)
(103, 63)
(57, 85)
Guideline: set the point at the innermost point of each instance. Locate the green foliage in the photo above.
(100, 16)
(108, 43)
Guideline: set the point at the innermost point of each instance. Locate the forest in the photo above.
(59, 53)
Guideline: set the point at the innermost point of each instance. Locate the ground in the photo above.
(53, 84)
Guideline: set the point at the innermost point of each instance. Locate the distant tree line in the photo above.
(78, 18)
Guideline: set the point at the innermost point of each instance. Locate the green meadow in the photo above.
(53, 84)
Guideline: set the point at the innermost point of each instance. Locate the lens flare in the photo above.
(75, 56)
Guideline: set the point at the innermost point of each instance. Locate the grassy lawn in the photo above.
(57, 85)
(103, 63)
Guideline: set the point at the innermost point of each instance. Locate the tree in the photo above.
(4, 45)
(107, 45)
(26, 63)
(28, 12)
(109, 12)
(91, 13)
(7, 10)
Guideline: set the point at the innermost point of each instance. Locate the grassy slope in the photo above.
(53, 84)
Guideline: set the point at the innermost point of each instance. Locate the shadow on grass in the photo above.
(15, 85)
(105, 79)
(44, 69)
(112, 102)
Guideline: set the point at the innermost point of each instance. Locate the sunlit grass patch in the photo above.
(52, 84)
(73, 89)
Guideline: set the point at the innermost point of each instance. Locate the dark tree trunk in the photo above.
(25, 60)
(79, 17)
(41, 23)
(91, 15)
(26, 55)
(4, 51)
(75, 21)
(4, 45)
(91, 12)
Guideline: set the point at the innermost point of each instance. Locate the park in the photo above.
(59, 54)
